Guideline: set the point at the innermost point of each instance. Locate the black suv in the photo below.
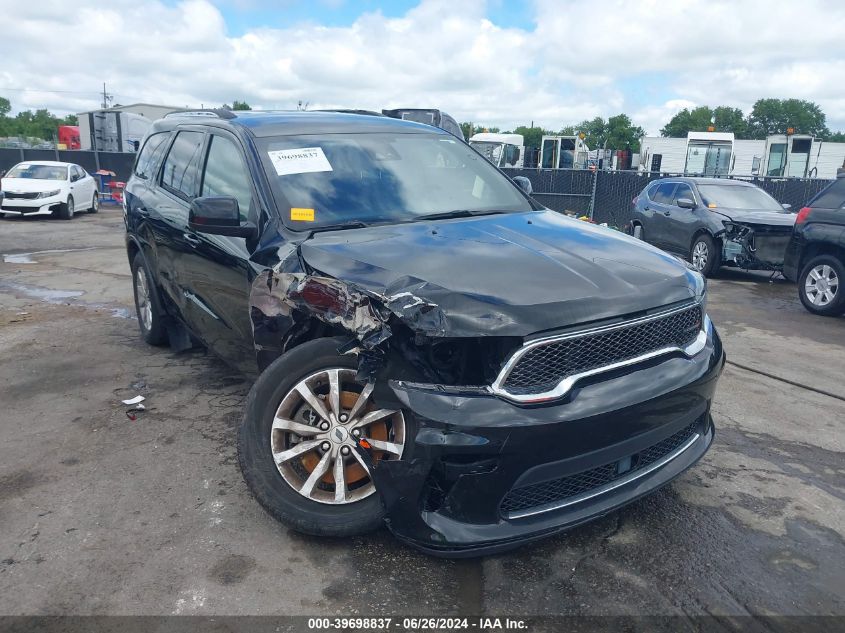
(815, 257)
(436, 351)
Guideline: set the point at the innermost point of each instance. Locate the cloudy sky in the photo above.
(499, 62)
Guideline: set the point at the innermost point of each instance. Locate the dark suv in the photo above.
(815, 257)
(436, 351)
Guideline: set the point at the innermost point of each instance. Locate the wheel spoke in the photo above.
(339, 480)
(316, 474)
(389, 447)
(303, 447)
(294, 427)
(826, 271)
(361, 461)
(334, 391)
(309, 397)
(814, 274)
(371, 417)
(362, 400)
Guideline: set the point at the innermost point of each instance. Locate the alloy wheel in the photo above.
(315, 430)
(699, 256)
(821, 285)
(142, 292)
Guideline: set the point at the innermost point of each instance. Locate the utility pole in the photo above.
(106, 97)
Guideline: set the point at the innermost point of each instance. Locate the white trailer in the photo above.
(112, 131)
(720, 154)
(564, 152)
(503, 150)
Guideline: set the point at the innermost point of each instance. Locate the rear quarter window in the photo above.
(832, 197)
(149, 155)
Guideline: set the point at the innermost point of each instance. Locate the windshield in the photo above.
(341, 179)
(38, 172)
(490, 150)
(738, 197)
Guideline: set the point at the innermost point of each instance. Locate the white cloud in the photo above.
(581, 60)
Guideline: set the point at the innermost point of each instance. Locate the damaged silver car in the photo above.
(434, 351)
(714, 222)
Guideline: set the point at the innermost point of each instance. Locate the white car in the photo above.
(47, 187)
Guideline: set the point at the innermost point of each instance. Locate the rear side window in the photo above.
(181, 167)
(226, 175)
(833, 197)
(148, 158)
(663, 193)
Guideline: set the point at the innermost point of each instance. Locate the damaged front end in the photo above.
(754, 246)
(480, 472)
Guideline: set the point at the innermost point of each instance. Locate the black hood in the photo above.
(502, 275)
(761, 218)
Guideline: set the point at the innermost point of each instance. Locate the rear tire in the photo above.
(66, 209)
(256, 456)
(638, 232)
(820, 286)
(95, 203)
(147, 304)
(704, 256)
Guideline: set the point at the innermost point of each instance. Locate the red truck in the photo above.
(69, 136)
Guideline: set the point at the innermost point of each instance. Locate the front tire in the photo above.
(147, 304)
(297, 440)
(820, 286)
(704, 256)
(66, 209)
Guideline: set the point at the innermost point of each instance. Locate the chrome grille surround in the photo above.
(688, 348)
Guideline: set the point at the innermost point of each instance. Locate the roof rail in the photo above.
(218, 113)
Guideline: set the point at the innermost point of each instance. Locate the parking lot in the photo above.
(100, 514)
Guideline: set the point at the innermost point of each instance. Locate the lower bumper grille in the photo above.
(558, 491)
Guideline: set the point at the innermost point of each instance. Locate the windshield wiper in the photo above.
(457, 213)
(339, 227)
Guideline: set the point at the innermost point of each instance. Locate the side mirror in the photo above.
(523, 183)
(686, 203)
(218, 215)
(786, 206)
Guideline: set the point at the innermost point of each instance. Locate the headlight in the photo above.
(49, 194)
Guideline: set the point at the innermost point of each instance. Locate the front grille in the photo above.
(21, 196)
(558, 490)
(543, 367)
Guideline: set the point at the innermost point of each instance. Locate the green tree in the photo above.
(240, 105)
(836, 137)
(70, 119)
(722, 118)
(774, 116)
(468, 128)
(621, 133)
(5, 106)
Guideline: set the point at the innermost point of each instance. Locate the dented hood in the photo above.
(501, 275)
(761, 218)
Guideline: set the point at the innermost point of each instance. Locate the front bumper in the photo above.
(37, 206)
(472, 448)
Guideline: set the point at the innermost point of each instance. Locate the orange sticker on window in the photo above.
(303, 215)
(711, 206)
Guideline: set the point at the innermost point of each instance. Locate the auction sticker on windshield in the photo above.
(304, 160)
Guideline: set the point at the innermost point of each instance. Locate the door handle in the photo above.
(191, 239)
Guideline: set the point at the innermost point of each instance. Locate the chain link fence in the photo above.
(606, 196)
